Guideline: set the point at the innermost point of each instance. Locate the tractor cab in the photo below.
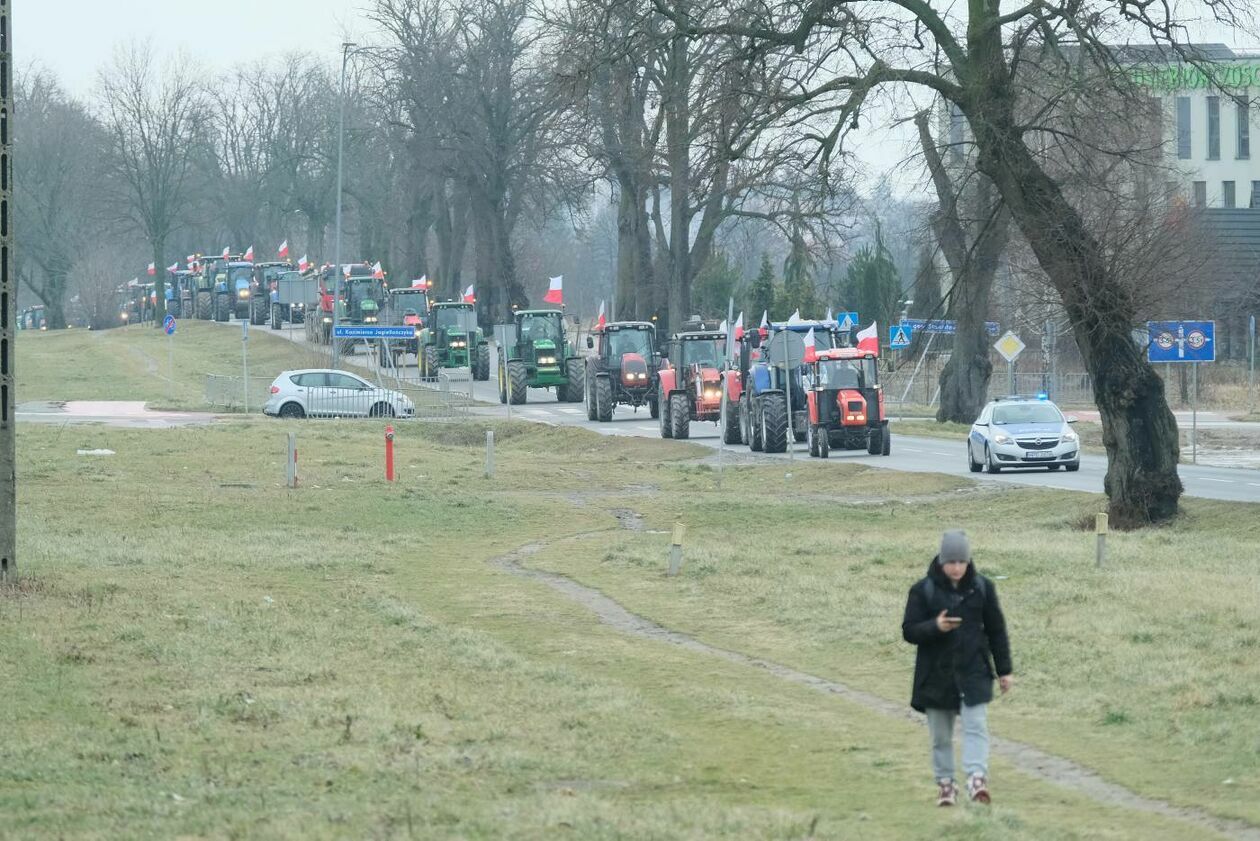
(408, 306)
(363, 298)
(454, 324)
(846, 403)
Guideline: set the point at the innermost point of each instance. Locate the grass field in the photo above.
(134, 363)
(196, 651)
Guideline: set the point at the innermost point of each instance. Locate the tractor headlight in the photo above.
(546, 360)
(369, 319)
(712, 393)
(327, 320)
(242, 293)
(417, 332)
(458, 343)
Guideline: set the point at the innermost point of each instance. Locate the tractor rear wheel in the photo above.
(886, 448)
(503, 387)
(679, 417)
(811, 439)
(731, 433)
(430, 369)
(257, 311)
(275, 316)
(481, 368)
(588, 396)
(518, 379)
(752, 425)
(575, 376)
(824, 442)
(774, 423)
(204, 301)
(222, 307)
(666, 430)
(603, 400)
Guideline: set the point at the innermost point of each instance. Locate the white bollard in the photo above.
(675, 549)
(489, 453)
(291, 473)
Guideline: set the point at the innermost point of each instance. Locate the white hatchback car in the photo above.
(327, 393)
(1022, 432)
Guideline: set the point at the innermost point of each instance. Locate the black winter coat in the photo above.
(959, 665)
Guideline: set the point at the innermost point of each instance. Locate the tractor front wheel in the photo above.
(752, 425)
(588, 396)
(654, 408)
(603, 400)
(275, 316)
(666, 430)
(481, 368)
(430, 358)
(204, 304)
(875, 441)
(774, 423)
(503, 388)
(222, 308)
(575, 376)
(886, 447)
(518, 379)
(824, 442)
(257, 311)
(730, 421)
(679, 417)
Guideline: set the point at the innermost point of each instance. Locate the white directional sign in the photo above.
(1010, 346)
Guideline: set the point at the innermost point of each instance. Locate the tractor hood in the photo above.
(634, 370)
(852, 406)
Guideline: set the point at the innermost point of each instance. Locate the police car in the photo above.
(1022, 432)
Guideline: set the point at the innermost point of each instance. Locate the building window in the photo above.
(1214, 128)
(1255, 195)
(1244, 128)
(1183, 128)
(1200, 194)
(1227, 194)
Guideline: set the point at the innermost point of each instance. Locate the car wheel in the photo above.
(989, 464)
(291, 410)
(1072, 466)
(973, 465)
(381, 410)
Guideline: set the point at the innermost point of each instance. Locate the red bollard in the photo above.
(389, 453)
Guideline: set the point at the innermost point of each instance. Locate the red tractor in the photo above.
(623, 369)
(846, 403)
(691, 381)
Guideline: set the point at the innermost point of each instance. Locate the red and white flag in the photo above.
(811, 349)
(555, 291)
(173, 267)
(601, 321)
(249, 255)
(377, 272)
(765, 319)
(795, 317)
(152, 270)
(192, 258)
(303, 264)
(283, 250)
(868, 339)
(739, 328)
(421, 283)
(227, 252)
(469, 297)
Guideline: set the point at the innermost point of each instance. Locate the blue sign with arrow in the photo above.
(1181, 341)
(899, 336)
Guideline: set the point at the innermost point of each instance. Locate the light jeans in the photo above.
(975, 746)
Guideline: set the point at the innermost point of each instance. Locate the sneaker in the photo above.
(948, 793)
(978, 789)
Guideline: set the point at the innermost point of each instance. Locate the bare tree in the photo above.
(152, 121)
(57, 182)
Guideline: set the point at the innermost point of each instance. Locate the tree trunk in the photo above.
(635, 273)
(678, 159)
(497, 287)
(1139, 430)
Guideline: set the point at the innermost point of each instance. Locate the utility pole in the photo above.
(346, 48)
(8, 307)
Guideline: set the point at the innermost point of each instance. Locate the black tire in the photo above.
(666, 430)
(973, 466)
(989, 464)
(430, 369)
(503, 389)
(575, 373)
(603, 400)
(257, 311)
(381, 410)
(481, 367)
(222, 308)
(774, 424)
(752, 430)
(874, 441)
(654, 408)
(519, 381)
(205, 302)
(276, 320)
(811, 438)
(679, 417)
(886, 444)
(291, 410)
(731, 433)
(1072, 466)
(588, 396)
(824, 444)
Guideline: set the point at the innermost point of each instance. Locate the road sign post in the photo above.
(168, 325)
(1010, 346)
(1184, 341)
(245, 364)
(728, 347)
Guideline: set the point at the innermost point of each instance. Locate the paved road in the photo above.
(914, 454)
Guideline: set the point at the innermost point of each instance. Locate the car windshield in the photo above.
(701, 352)
(537, 327)
(454, 318)
(1013, 413)
(621, 342)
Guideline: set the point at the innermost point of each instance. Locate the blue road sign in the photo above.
(168, 324)
(943, 326)
(360, 332)
(847, 320)
(899, 336)
(1181, 341)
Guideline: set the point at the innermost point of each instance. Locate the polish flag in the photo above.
(599, 324)
(227, 252)
(829, 317)
(152, 270)
(377, 272)
(303, 264)
(192, 258)
(868, 339)
(811, 350)
(795, 317)
(283, 250)
(555, 291)
(421, 283)
(249, 255)
(765, 319)
(173, 267)
(469, 297)
(722, 328)
(739, 328)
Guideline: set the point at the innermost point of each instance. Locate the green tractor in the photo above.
(452, 339)
(534, 352)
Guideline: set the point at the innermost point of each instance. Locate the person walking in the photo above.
(954, 618)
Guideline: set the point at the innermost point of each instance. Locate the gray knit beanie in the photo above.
(954, 547)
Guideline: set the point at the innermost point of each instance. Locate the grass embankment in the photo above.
(196, 651)
(133, 363)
